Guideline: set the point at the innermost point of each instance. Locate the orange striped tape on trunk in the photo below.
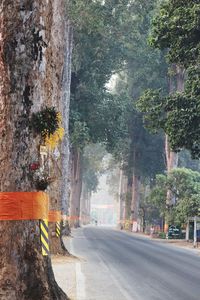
(54, 216)
(73, 218)
(23, 205)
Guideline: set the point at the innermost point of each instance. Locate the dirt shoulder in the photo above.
(173, 242)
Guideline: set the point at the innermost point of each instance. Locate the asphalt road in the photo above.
(118, 266)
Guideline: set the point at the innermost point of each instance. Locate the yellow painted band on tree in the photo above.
(44, 236)
(23, 206)
(57, 229)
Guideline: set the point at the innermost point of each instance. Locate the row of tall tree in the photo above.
(177, 113)
(39, 69)
(165, 119)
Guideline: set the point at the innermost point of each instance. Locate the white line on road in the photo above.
(80, 283)
(80, 278)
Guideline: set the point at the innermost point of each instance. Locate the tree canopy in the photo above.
(103, 33)
(176, 29)
(184, 185)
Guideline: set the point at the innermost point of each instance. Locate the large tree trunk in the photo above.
(180, 78)
(122, 214)
(30, 68)
(135, 201)
(120, 203)
(172, 162)
(76, 187)
(172, 157)
(60, 156)
(65, 183)
(65, 109)
(85, 206)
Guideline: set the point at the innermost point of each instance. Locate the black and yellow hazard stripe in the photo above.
(44, 235)
(57, 229)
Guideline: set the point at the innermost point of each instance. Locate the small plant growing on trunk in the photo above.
(47, 123)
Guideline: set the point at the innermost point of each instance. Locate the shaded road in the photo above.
(119, 266)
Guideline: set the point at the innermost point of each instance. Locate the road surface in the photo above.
(115, 265)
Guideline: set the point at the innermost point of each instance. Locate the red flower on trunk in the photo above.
(34, 166)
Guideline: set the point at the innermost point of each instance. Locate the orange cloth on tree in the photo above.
(54, 216)
(23, 205)
(73, 217)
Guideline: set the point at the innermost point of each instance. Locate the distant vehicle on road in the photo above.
(173, 232)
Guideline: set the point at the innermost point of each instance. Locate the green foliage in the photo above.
(46, 121)
(79, 136)
(178, 115)
(93, 167)
(177, 28)
(106, 34)
(111, 36)
(162, 235)
(146, 155)
(185, 161)
(157, 197)
(184, 185)
(152, 105)
(187, 208)
(146, 68)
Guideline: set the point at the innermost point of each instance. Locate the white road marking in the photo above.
(80, 278)
(80, 283)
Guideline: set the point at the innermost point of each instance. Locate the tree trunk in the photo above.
(60, 156)
(120, 214)
(135, 197)
(135, 201)
(172, 157)
(76, 187)
(85, 206)
(124, 202)
(65, 109)
(30, 79)
(172, 162)
(180, 77)
(122, 207)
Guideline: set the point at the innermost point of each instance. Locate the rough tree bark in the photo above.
(66, 82)
(85, 206)
(29, 80)
(120, 211)
(122, 192)
(60, 156)
(75, 187)
(135, 198)
(171, 157)
(135, 201)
